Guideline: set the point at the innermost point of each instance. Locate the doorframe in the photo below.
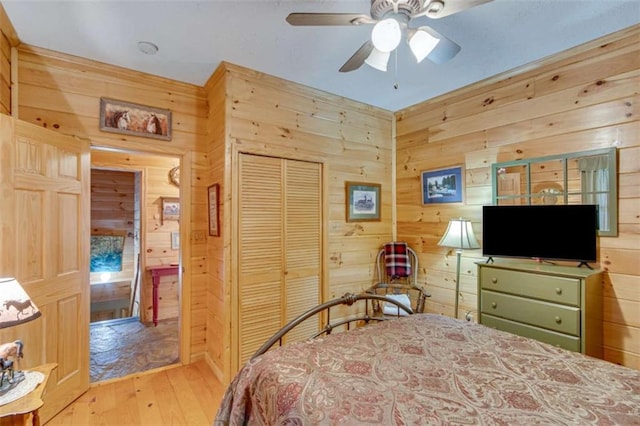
(184, 278)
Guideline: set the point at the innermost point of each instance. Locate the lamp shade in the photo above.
(16, 307)
(422, 42)
(386, 35)
(378, 59)
(459, 235)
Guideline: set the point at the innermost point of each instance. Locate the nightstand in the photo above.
(17, 413)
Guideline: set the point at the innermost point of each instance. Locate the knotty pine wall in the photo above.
(583, 99)
(8, 39)
(218, 314)
(113, 213)
(62, 93)
(269, 116)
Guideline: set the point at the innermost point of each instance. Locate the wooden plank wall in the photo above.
(113, 210)
(270, 116)
(62, 93)
(8, 39)
(583, 99)
(156, 238)
(218, 259)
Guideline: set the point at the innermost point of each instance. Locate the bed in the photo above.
(427, 369)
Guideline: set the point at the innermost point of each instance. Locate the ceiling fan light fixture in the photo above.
(378, 59)
(422, 43)
(386, 35)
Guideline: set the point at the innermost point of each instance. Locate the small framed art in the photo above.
(170, 209)
(363, 202)
(134, 119)
(214, 219)
(442, 186)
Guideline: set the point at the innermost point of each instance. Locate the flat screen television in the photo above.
(555, 232)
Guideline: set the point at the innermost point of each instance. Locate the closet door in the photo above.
(302, 249)
(279, 246)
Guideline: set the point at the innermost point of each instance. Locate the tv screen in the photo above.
(557, 232)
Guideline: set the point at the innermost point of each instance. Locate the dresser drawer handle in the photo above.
(494, 280)
(494, 305)
(558, 320)
(558, 291)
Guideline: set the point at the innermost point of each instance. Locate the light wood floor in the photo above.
(181, 395)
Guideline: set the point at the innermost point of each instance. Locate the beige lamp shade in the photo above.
(459, 235)
(16, 307)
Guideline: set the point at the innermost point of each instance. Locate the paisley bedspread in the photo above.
(429, 369)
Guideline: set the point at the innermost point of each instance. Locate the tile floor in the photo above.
(126, 346)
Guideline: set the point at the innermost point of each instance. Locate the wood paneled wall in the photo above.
(270, 116)
(218, 261)
(113, 213)
(582, 99)
(8, 39)
(62, 93)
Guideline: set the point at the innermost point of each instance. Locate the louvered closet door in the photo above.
(279, 249)
(302, 234)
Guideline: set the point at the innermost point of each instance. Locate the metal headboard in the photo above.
(347, 299)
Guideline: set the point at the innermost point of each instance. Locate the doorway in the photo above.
(129, 234)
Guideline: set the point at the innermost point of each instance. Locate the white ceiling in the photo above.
(195, 36)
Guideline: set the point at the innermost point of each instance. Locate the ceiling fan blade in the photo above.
(450, 7)
(302, 19)
(358, 58)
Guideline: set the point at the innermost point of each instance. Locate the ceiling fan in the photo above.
(390, 18)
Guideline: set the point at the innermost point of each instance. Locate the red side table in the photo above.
(157, 272)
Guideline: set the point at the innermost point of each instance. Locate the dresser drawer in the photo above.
(564, 341)
(564, 319)
(544, 287)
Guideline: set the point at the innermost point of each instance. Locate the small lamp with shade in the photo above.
(459, 235)
(16, 307)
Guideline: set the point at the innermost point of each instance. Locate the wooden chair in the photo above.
(397, 285)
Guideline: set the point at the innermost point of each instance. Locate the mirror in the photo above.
(587, 177)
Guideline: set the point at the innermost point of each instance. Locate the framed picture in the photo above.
(442, 186)
(175, 241)
(133, 119)
(214, 229)
(363, 202)
(170, 209)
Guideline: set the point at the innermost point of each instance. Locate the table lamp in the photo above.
(459, 235)
(16, 307)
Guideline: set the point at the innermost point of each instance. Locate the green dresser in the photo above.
(560, 305)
